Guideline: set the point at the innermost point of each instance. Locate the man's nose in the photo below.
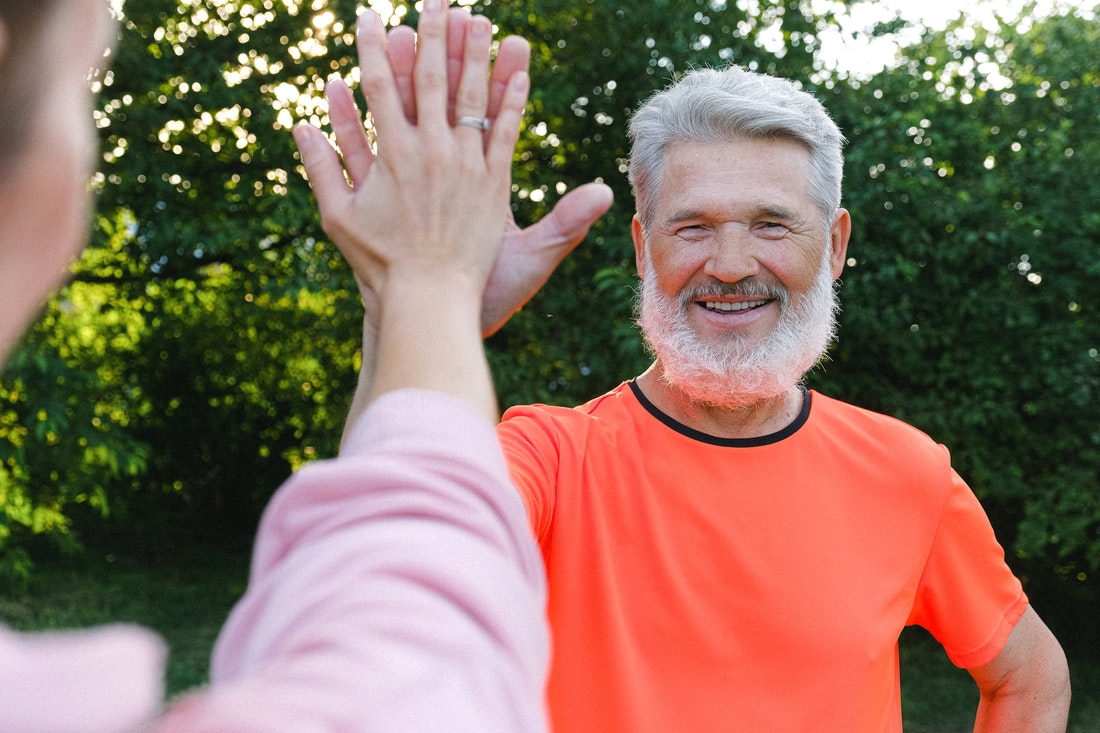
(732, 257)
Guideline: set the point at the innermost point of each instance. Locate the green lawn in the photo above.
(186, 596)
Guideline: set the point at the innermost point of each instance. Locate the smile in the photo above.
(730, 307)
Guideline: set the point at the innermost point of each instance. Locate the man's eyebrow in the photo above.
(684, 215)
(767, 211)
(779, 213)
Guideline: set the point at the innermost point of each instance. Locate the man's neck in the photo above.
(758, 419)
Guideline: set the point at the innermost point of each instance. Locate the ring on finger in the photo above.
(481, 123)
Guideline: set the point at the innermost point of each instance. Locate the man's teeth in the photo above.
(744, 306)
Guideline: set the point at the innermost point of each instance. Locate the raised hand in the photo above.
(528, 256)
(420, 219)
(436, 193)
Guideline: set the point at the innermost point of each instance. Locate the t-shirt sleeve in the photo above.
(530, 444)
(396, 587)
(967, 597)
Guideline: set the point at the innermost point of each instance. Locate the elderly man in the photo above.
(726, 550)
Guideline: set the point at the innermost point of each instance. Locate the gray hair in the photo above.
(710, 105)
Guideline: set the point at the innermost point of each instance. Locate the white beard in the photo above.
(734, 373)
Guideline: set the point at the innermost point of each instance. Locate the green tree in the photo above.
(208, 342)
(972, 291)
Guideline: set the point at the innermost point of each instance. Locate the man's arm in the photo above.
(1025, 689)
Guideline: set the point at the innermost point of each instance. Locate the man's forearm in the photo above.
(1026, 689)
(361, 398)
(1037, 713)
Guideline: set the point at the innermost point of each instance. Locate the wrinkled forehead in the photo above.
(743, 166)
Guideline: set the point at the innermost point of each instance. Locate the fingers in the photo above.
(347, 125)
(514, 54)
(377, 81)
(457, 22)
(569, 221)
(471, 96)
(401, 48)
(323, 168)
(430, 70)
(505, 131)
(578, 210)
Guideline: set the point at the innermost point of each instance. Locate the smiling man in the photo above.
(726, 550)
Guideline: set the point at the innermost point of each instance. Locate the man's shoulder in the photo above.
(852, 422)
(616, 400)
(600, 415)
(833, 407)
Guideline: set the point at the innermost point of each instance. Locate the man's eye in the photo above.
(771, 229)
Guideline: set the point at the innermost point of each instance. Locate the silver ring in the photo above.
(481, 123)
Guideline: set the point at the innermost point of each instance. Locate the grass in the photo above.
(186, 594)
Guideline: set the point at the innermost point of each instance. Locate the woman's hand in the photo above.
(433, 200)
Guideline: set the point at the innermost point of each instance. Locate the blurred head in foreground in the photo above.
(48, 52)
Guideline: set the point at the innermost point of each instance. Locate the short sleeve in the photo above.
(967, 598)
(531, 451)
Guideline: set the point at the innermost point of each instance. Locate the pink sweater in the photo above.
(395, 588)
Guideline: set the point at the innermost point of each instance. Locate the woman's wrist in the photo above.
(429, 337)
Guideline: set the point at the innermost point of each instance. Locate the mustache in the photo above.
(750, 288)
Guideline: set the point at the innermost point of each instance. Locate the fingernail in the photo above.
(369, 18)
(302, 138)
(480, 26)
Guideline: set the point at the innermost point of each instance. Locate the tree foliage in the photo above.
(973, 289)
(208, 342)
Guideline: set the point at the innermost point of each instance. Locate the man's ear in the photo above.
(838, 241)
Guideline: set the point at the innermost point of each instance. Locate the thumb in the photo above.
(568, 223)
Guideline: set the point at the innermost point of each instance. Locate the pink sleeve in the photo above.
(102, 680)
(396, 587)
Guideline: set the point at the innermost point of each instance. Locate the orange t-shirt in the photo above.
(704, 584)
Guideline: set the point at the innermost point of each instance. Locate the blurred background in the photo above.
(208, 342)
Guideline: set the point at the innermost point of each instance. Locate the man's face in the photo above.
(737, 267)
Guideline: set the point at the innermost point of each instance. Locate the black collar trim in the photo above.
(679, 427)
